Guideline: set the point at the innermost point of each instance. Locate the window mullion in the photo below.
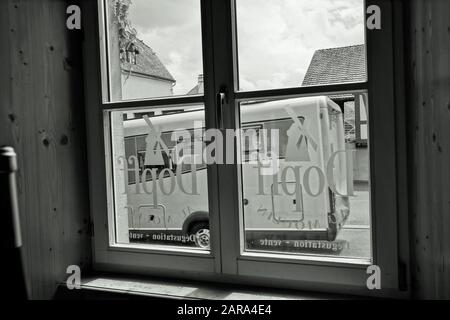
(157, 102)
(326, 90)
(224, 81)
(210, 122)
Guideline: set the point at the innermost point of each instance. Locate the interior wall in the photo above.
(428, 108)
(42, 117)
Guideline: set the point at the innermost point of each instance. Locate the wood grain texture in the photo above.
(42, 117)
(428, 77)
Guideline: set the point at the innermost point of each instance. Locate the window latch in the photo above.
(221, 101)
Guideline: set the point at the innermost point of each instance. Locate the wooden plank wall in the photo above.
(428, 108)
(42, 117)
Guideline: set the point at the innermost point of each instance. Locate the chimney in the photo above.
(200, 83)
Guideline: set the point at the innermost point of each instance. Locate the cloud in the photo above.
(172, 28)
(276, 39)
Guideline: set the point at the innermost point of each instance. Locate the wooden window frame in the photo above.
(227, 261)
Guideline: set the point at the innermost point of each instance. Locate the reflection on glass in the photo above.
(154, 48)
(285, 43)
(160, 182)
(306, 188)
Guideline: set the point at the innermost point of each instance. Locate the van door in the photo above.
(286, 205)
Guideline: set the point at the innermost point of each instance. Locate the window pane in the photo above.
(306, 185)
(160, 182)
(292, 43)
(154, 48)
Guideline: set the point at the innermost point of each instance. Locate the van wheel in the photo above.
(201, 235)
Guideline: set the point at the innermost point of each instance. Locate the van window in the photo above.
(136, 146)
(282, 126)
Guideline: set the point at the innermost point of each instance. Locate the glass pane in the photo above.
(306, 184)
(160, 181)
(292, 43)
(155, 48)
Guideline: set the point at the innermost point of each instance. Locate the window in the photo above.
(312, 217)
(234, 150)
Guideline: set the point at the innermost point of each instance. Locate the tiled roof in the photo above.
(337, 65)
(147, 63)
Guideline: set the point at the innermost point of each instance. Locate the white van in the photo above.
(306, 197)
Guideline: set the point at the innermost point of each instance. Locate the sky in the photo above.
(276, 38)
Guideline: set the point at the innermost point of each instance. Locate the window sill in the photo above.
(112, 286)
